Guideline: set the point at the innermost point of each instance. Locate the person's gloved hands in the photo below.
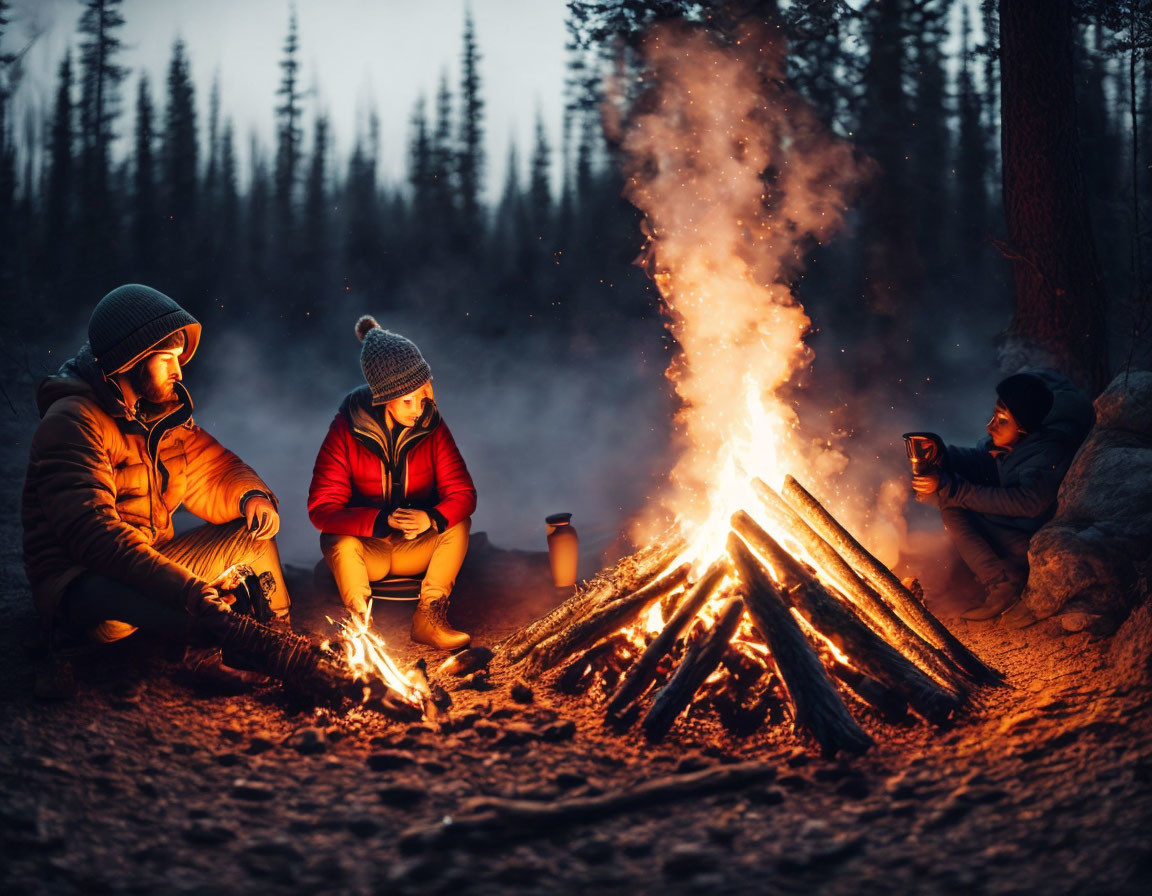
(411, 522)
(927, 485)
(262, 518)
(210, 600)
(358, 606)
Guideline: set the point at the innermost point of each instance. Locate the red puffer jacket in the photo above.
(364, 471)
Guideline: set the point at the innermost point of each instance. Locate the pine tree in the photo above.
(363, 244)
(540, 187)
(443, 169)
(931, 144)
(212, 169)
(315, 249)
(180, 166)
(145, 207)
(470, 165)
(258, 217)
(61, 180)
(226, 225)
(972, 159)
(100, 79)
(289, 134)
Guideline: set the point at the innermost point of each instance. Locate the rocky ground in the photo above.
(142, 784)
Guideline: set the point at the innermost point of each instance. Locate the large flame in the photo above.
(368, 658)
(737, 179)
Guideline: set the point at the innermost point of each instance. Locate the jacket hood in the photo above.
(81, 376)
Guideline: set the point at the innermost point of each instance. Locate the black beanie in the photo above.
(131, 319)
(1028, 398)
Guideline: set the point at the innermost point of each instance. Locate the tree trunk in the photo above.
(1059, 317)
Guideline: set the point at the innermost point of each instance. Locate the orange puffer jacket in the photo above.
(101, 488)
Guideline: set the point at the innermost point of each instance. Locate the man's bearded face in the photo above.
(154, 379)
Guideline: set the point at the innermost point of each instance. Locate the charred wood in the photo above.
(818, 708)
(637, 679)
(601, 621)
(632, 573)
(576, 675)
(836, 622)
(484, 819)
(696, 666)
(886, 584)
(890, 705)
(883, 618)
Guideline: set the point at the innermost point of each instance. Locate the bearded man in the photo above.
(116, 453)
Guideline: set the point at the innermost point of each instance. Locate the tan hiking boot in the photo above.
(430, 625)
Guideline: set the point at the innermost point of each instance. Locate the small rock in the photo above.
(260, 743)
(202, 834)
(362, 827)
(688, 859)
(228, 759)
(568, 780)
(794, 782)
(594, 851)
(432, 767)
(520, 692)
(401, 796)
(309, 741)
(854, 787)
(232, 732)
(516, 733)
(388, 760)
(559, 731)
(767, 796)
(255, 791)
(485, 728)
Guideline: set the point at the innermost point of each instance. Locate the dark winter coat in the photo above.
(102, 486)
(365, 470)
(1018, 488)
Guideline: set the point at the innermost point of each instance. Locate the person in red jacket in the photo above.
(390, 492)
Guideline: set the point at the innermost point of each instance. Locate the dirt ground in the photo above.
(140, 784)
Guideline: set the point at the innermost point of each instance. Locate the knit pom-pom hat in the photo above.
(392, 365)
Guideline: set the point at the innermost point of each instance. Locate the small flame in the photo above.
(367, 657)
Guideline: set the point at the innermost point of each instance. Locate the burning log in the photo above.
(839, 624)
(938, 664)
(818, 708)
(889, 587)
(603, 620)
(890, 705)
(576, 672)
(698, 663)
(640, 675)
(630, 574)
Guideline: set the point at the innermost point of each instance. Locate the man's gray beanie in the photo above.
(393, 365)
(133, 318)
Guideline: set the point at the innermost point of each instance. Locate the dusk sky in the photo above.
(357, 54)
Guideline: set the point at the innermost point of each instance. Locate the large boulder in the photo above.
(1092, 563)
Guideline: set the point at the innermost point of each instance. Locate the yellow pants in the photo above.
(358, 562)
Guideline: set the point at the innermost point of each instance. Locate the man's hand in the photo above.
(925, 486)
(358, 607)
(411, 522)
(263, 520)
(211, 600)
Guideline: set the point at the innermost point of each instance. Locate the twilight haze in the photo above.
(356, 55)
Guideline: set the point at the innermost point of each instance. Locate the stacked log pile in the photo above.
(758, 634)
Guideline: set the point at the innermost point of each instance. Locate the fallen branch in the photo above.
(484, 819)
(889, 587)
(818, 708)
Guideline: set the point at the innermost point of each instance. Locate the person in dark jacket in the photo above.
(995, 496)
(115, 454)
(390, 493)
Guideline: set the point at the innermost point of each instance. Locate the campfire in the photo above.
(759, 599)
(759, 623)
